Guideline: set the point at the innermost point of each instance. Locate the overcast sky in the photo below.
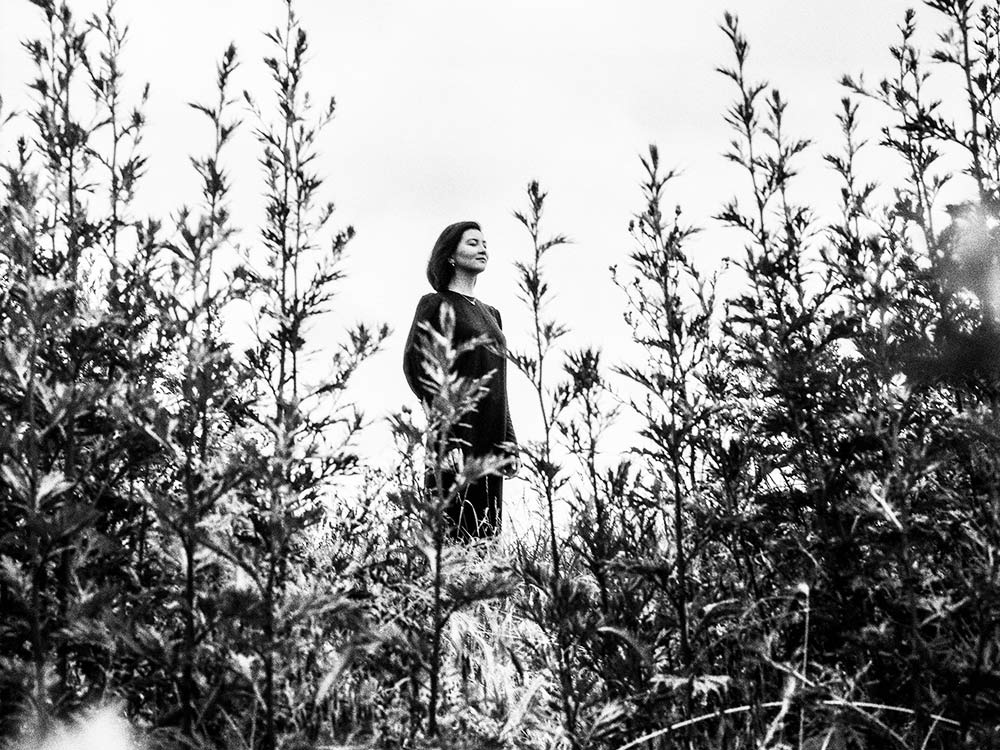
(447, 109)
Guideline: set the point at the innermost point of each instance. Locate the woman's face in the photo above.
(471, 255)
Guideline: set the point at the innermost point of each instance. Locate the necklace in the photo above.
(472, 300)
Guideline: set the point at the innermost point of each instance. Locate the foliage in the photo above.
(801, 551)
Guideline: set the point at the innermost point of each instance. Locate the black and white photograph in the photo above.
(511, 375)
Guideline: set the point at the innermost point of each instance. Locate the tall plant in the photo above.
(557, 597)
(450, 583)
(683, 386)
(204, 411)
(66, 421)
(293, 453)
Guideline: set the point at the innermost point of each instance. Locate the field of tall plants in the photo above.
(803, 550)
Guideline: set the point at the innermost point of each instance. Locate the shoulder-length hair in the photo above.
(439, 270)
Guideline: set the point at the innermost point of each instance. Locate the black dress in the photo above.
(478, 512)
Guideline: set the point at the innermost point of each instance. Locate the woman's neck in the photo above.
(463, 284)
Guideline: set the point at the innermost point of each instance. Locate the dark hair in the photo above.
(439, 270)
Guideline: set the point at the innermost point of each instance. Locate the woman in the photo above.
(458, 257)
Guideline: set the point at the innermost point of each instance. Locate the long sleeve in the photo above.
(511, 435)
(413, 365)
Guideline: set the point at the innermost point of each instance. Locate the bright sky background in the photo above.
(446, 109)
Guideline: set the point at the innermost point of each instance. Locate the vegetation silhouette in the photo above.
(802, 550)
